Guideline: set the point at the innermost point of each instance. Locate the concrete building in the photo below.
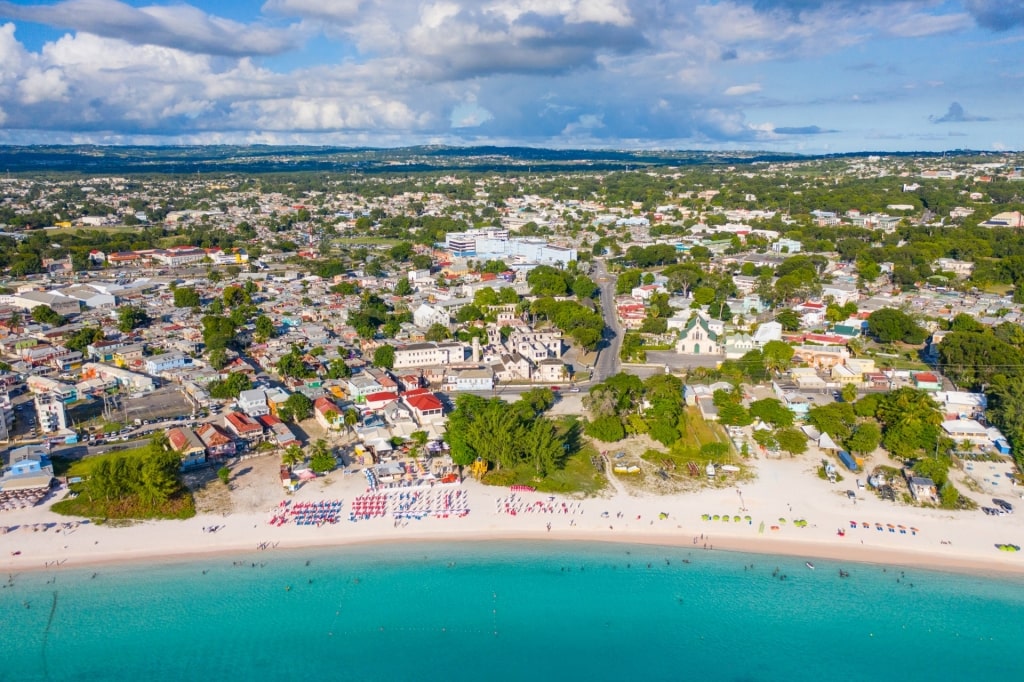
(253, 402)
(133, 382)
(429, 353)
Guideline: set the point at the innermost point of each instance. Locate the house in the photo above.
(769, 331)
(243, 426)
(806, 378)
(425, 407)
(360, 385)
(280, 433)
(550, 369)
(821, 356)
(926, 381)
(696, 338)
(165, 362)
(218, 443)
(376, 401)
(513, 367)
(738, 345)
(187, 444)
(253, 402)
(811, 314)
(966, 430)
(27, 477)
(923, 490)
(842, 375)
(327, 414)
(474, 380)
(428, 315)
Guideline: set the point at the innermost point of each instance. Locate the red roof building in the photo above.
(243, 426)
(425, 407)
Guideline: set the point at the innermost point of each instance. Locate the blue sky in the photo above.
(790, 75)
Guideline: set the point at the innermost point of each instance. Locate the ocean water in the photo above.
(507, 611)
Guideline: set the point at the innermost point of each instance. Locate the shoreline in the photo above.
(783, 494)
(792, 548)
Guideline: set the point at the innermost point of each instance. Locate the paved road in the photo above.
(608, 354)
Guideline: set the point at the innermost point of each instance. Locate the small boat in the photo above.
(729, 468)
(809, 565)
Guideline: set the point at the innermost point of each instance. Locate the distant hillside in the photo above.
(97, 160)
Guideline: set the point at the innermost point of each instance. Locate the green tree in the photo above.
(849, 393)
(792, 441)
(80, 340)
(890, 324)
(835, 419)
(777, 355)
(437, 332)
(235, 383)
(218, 357)
(186, 297)
(297, 407)
(321, 459)
(542, 446)
(224, 474)
(403, 287)
(131, 317)
(607, 429)
(627, 281)
(44, 314)
(789, 320)
(865, 438)
(384, 357)
(771, 411)
(265, 328)
(734, 414)
(338, 369)
(292, 455)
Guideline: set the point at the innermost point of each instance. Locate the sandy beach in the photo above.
(785, 489)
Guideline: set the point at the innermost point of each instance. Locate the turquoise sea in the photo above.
(508, 611)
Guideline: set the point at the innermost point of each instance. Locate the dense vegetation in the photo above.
(137, 484)
(507, 436)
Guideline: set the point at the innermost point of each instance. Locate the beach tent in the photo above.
(826, 442)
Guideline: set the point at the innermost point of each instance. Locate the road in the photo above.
(607, 363)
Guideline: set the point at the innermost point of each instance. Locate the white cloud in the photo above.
(43, 86)
(180, 26)
(737, 90)
(330, 10)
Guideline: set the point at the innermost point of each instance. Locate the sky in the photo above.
(804, 76)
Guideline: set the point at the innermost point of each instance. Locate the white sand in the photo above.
(785, 488)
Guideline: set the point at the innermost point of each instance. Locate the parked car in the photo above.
(1004, 504)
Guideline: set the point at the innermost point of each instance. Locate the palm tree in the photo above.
(292, 455)
(351, 418)
(419, 442)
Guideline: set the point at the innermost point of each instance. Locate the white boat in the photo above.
(729, 468)
(809, 565)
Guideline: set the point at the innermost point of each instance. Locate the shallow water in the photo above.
(507, 611)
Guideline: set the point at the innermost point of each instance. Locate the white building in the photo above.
(428, 315)
(430, 353)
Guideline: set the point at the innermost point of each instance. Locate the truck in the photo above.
(848, 460)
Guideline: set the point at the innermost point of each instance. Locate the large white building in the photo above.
(428, 354)
(494, 244)
(427, 315)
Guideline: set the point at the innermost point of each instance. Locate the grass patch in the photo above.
(181, 506)
(83, 467)
(577, 476)
(698, 432)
